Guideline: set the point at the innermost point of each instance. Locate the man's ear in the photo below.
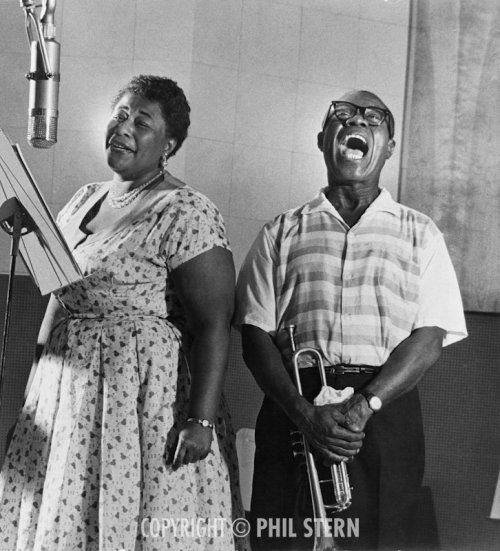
(320, 141)
(391, 144)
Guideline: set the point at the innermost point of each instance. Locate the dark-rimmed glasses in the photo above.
(374, 116)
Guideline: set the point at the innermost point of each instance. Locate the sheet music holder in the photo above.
(44, 250)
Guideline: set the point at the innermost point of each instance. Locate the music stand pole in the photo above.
(16, 222)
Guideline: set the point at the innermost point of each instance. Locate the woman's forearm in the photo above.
(208, 364)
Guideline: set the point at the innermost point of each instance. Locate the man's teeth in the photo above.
(354, 147)
(353, 154)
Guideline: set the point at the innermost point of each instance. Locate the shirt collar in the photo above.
(383, 202)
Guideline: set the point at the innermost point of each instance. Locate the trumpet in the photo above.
(338, 471)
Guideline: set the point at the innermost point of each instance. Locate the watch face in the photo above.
(375, 403)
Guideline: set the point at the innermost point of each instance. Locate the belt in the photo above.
(351, 369)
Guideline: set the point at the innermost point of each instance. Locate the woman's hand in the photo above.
(193, 444)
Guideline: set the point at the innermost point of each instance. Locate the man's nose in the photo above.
(357, 120)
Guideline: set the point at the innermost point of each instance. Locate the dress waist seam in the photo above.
(106, 317)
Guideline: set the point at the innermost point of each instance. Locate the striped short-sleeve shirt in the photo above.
(353, 293)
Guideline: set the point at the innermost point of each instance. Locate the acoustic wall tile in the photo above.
(387, 11)
(339, 7)
(384, 67)
(164, 29)
(14, 89)
(308, 177)
(389, 178)
(260, 182)
(209, 168)
(265, 111)
(15, 41)
(217, 28)
(177, 164)
(269, 41)
(349, 8)
(98, 29)
(213, 102)
(329, 48)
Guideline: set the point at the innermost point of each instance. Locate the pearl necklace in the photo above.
(120, 201)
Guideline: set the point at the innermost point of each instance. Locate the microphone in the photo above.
(43, 79)
(44, 96)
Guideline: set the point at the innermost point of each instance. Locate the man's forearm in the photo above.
(264, 361)
(405, 367)
(407, 364)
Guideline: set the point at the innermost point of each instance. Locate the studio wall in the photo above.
(259, 75)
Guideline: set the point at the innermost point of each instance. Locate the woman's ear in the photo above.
(169, 147)
(320, 141)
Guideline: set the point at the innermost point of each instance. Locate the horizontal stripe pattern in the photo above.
(353, 293)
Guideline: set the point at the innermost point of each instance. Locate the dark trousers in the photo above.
(386, 477)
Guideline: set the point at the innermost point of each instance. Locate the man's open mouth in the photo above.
(354, 147)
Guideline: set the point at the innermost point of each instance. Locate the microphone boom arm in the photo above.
(47, 31)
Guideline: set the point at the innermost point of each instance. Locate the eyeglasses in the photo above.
(374, 116)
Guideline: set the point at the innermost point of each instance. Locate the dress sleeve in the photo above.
(440, 300)
(255, 291)
(197, 227)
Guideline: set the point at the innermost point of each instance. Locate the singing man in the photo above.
(369, 283)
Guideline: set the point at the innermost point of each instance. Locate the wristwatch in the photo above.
(205, 423)
(374, 402)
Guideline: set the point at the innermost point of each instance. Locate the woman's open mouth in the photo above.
(118, 146)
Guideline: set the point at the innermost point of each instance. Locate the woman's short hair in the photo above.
(171, 99)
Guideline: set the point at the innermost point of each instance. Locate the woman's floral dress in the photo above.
(86, 468)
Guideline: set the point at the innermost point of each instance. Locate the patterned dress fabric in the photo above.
(87, 466)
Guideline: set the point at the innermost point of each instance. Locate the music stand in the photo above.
(24, 215)
(15, 220)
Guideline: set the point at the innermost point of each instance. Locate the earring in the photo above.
(164, 161)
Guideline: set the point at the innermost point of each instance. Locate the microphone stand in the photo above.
(16, 221)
